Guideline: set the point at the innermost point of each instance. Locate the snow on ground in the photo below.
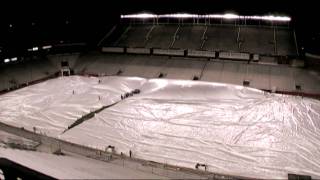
(68, 167)
(53, 105)
(232, 129)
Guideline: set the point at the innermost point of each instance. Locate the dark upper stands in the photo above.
(221, 38)
(259, 41)
(285, 42)
(135, 36)
(161, 36)
(268, 41)
(189, 37)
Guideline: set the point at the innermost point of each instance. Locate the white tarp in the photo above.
(53, 105)
(232, 129)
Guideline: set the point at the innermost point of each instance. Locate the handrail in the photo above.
(102, 155)
(174, 37)
(203, 37)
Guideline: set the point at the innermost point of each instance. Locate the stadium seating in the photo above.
(15, 75)
(268, 41)
(135, 36)
(285, 42)
(221, 38)
(253, 41)
(189, 37)
(162, 36)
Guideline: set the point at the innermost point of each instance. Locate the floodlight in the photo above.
(46, 47)
(217, 16)
(139, 16)
(179, 15)
(230, 16)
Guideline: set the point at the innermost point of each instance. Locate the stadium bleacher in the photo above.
(189, 37)
(221, 38)
(252, 41)
(221, 43)
(285, 42)
(135, 36)
(263, 40)
(161, 36)
(26, 72)
(261, 76)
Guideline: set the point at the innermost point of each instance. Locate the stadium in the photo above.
(159, 94)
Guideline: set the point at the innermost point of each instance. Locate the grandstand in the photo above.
(166, 97)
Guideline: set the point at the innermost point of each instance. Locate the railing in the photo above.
(203, 37)
(174, 37)
(275, 41)
(295, 42)
(107, 35)
(119, 159)
(238, 38)
(148, 35)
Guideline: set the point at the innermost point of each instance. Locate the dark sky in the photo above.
(35, 21)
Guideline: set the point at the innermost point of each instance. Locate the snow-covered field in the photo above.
(232, 129)
(53, 105)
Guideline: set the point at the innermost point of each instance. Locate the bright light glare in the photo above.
(14, 59)
(35, 49)
(230, 16)
(217, 16)
(139, 16)
(183, 15)
(270, 18)
(6, 60)
(222, 16)
(46, 47)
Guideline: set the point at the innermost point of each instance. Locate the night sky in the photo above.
(24, 24)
